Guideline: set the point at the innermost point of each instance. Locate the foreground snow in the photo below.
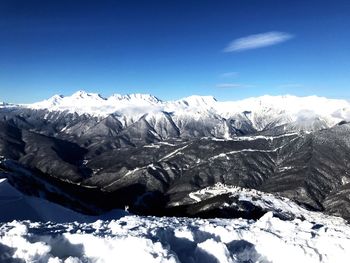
(15, 205)
(152, 239)
(311, 237)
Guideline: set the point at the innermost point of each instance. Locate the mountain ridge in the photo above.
(279, 101)
(255, 113)
(147, 154)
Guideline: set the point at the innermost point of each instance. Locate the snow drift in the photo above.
(15, 205)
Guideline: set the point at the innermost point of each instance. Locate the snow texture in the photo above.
(152, 239)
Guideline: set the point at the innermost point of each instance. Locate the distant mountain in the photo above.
(144, 118)
(94, 154)
(260, 111)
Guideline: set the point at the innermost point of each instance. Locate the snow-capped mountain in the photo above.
(261, 112)
(260, 164)
(138, 151)
(94, 104)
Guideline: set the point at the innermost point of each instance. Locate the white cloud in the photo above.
(258, 41)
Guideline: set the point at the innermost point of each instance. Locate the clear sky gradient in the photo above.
(172, 49)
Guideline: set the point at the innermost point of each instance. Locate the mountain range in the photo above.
(93, 154)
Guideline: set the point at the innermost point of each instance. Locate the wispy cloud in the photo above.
(291, 85)
(231, 74)
(258, 41)
(232, 85)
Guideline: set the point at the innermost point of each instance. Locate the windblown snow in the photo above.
(130, 238)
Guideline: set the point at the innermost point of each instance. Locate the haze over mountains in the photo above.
(94, 154)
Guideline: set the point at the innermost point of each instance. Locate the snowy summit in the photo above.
(287, 107)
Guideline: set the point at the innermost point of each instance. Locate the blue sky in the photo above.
(172, 49)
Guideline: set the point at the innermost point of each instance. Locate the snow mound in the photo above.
(152, 239)
(17, 206)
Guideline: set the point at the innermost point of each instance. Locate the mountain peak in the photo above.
(198, 101)
(135, 96)
(55, 99)
(81, 94)
(286, 107)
